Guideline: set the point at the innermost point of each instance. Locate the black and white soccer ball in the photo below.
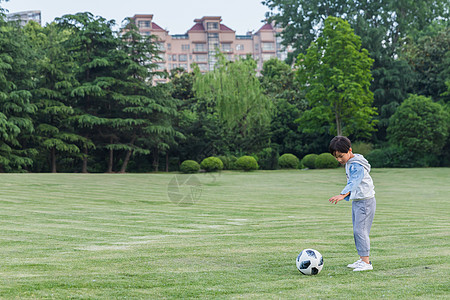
(309, 262)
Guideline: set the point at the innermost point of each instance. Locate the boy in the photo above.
(360, 190)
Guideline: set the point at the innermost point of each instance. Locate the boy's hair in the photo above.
(341, 144)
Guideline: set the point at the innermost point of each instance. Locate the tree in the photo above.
(150, 110)
(279, 85)
(420, 126)
(16, 108)
(429, 56)
(335, 72)
(382, 26)
(92, 46)
(303, 20)
(235, 93)
(54, 80)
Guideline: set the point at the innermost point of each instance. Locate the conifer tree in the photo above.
(16, 108)
(54, 79)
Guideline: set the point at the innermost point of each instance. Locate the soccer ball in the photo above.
(309, 262)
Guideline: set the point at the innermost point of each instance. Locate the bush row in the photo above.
(249, 163)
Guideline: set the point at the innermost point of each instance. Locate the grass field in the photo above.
(110, 236)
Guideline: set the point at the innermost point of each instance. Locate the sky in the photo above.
(176, 16)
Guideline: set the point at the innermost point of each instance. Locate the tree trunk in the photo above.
(156, 160)
(111, 158)
(85, 161)
(127, 156)
(125, 162)
(167, 161)
(338, 124)
(53, 159)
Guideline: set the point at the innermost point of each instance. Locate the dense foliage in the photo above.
(211, 164)
(326, 161)
(288, 161)
(189, 166)
(246, 163)
(76, 95)
(309, 161)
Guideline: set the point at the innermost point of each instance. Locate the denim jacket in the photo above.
(359, 182)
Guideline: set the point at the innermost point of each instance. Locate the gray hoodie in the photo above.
(359, 182)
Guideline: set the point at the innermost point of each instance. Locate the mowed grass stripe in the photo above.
(109, 236)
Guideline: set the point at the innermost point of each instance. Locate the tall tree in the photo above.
(336, 75)
(382, 26)
(278, 82)
(54, 80)
(428, 53)
(93, 45)
(16, 108)
(150, 110)
(235, 93)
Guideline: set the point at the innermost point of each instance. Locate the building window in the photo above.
(182, 57)
(200, 47)
(174, 57)
(169, 46)
(201, 57)
(226, 47)
(184, 66)
(161, 66)
(144, 24)
(239, 47)
(160, 47)
(185, 47)
(257, 47)
(212, 25)
(267, 47)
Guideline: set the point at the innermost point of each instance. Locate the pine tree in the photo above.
(16, 108)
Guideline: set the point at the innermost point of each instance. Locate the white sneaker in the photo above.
(355, 264)
(364, 266)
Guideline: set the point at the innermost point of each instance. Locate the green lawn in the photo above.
(108, 236)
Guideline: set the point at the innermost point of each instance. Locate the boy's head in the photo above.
(341, 148)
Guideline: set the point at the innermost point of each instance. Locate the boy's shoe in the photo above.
(355, 264)
(364, 266)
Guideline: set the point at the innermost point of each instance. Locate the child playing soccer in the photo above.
(360, 190)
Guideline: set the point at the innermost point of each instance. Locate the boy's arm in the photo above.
(355, 177)
(338, 198)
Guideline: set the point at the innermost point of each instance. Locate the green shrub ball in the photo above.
(288, 161)
(246, 163)
(189, 166)
(326, 161)
(211, 164)
(309, 161)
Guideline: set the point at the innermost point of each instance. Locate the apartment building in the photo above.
(23, 17)
(200, 43)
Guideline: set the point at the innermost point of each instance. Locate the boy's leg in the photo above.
(363, 212)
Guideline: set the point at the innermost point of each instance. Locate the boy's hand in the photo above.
(337, 198)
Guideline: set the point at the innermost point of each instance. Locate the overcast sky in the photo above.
(177, 16)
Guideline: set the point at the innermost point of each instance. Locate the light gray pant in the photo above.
(363, 212)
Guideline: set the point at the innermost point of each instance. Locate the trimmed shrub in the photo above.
(189, 166)
(246, 163)
(228, 162)
(288, 161)
(211, 164)
(326, 161)
(309, 161)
